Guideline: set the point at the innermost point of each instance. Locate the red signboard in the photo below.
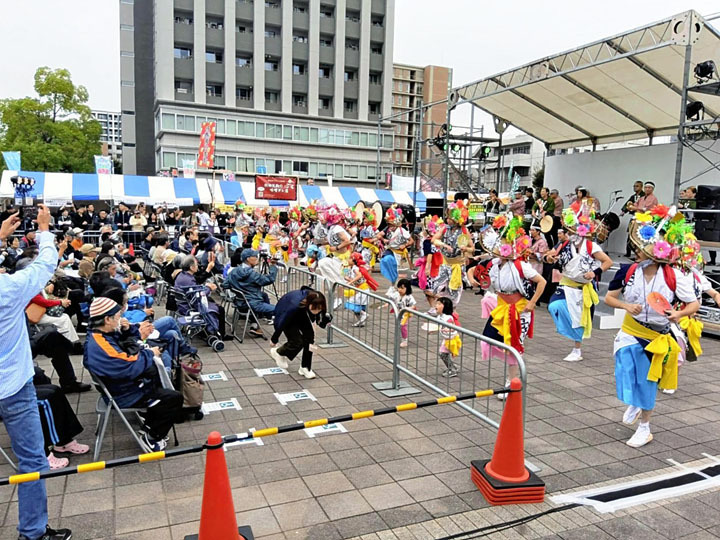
(276, 188)
(206, 153)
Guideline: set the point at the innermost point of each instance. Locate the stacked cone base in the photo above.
(245, 532)
(497, 492)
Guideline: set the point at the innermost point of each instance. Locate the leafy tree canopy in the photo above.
(54, 132)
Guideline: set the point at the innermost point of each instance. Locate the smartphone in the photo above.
(71, 257)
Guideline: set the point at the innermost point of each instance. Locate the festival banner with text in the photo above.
(276, 188)
(206, 153)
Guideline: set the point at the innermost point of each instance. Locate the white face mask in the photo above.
(111, 252)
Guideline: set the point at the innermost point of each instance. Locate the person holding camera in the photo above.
(251, 282)
(129, 371)
(295, 314)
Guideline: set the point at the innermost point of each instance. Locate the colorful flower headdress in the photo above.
(458, 212)
(665, 237)
(582, 223)
(295, 213)
(333, 215)
(394, 215)
(369, 217)
(240, 205)
(506, 238)
(348, 215)
(433, 223)
(311, 213)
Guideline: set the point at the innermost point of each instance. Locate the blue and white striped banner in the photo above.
(190, 191)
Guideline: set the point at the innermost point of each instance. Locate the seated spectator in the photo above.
(64, 221)
(49, 342)
(148, 241)
(251, 283)
(89, 252)
(161, 244)
(55, 314)
(59, 423)
(130, 372)
(28, 240)
(186, 280)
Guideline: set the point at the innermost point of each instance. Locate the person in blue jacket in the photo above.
(295, 314)
(251, 283)
(129, 372)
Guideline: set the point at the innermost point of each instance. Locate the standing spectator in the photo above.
(138, 222)
(91, 215)
(213, 225)
(517, 206)
(18, 400)
(64, 221)
(122, 218)
(203, 219)
(529, 199)
(80, 219)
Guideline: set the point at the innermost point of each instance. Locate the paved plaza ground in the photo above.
(403, 476)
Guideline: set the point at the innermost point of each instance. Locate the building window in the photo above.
(183, 18)
(352, 16)
(350, 105)
(327, 12)
(168, 159)
(272, 4)
(215, 90)
(300, 7)
(128, 27)
(374, 78)
(242, 29)
(127, 83)
(182, 52)
(376, 48)
(300, 167)
(271, 65)
(299, 69)
(352, 44)
(325, 103)
(272, 97)
(168, 121)
(127, 54)
(243, 61)
(300, 38)
(215, 24)
(243, 93)
(299, 100)
(272, 32)
(326, 41)
(185, 123)
(374, 107)
(214, 57)
(377, 21)
(301, 134)
(350, 75)
(524, 149)
(325, 72)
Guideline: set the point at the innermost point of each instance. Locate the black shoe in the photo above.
(75, 388)
(52, 534)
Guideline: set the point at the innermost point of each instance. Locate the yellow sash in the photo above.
(456, 273)
(256, 241)
(590, 298)
(664, 349)
(693, 328)
(374, 250)
(501, 317)
(454, 345)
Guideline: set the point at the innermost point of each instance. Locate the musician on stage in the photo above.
(581, 261)
(647, 202)
(517, 205)
(545, 206)
(494, 205)
(582, 196)
(626, 209)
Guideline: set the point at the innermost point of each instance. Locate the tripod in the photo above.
(265, 269)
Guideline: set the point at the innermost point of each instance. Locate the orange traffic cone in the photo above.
(131, 250)
(504, 479)
(217, 518)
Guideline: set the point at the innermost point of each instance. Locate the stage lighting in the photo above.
(693, 110)
(704, 71)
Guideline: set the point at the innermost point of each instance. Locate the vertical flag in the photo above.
(206, 153)
(12, 160)
(103, 165)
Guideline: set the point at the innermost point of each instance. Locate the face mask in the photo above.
(111, 252)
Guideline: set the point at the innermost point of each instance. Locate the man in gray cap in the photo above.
(251, 283)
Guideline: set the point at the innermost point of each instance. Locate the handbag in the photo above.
(34, 313)
(193, 386)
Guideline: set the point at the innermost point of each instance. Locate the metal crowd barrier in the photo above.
(421, 362)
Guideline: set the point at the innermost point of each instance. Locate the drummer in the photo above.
(580, 259)
(517, 206)
(545, 206)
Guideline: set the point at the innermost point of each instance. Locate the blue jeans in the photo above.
(264, 308)
(22, 421)
(172, 336)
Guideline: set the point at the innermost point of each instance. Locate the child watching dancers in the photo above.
(401, 294)
(451, 344)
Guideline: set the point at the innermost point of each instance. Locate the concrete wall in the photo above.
(605, 171)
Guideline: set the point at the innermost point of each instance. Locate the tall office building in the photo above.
(295, 86)
(411, 86)
(111, 136)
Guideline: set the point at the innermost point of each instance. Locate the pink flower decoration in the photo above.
(583, 230)
(505, 250)
(662, 249)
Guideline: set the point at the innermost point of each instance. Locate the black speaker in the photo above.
(434, 207)
(707, 226)
(708, 197)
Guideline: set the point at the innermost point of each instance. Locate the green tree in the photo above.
(55, 131)
(538, 178)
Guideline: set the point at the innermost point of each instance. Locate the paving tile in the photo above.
(590, 532)
(284, 491)
(88, 525)
(386, 496)
(359, 525)
(626, 527)
(99, 500)
(327, 483)
(665, 522)
(404, 515)
(425, 488)
(298, 514)
(445, 506)
(262, 521)
(139, 518)
(343, 505)
(369, 475)
(400, 469)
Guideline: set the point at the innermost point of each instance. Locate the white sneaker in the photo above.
(642, 436)
(307, 373)
(450, 372)
(338, 303)
(668, 391)
(404, 344)
(573, 357)
(279, 359)
(632, 413)
(503, 397)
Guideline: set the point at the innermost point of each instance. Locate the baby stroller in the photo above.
(199, 321)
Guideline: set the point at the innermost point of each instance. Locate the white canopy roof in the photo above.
(624, 87)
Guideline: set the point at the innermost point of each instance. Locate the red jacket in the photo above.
(40, 300)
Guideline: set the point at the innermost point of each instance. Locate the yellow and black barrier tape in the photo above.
(265, 432)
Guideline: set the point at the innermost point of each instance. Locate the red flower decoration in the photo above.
(499, 222)
(660, 211)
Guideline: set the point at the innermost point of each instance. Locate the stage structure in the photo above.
(659, 79)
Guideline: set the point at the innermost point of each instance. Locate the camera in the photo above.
(324, 319)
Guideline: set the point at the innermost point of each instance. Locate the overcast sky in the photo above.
(476, 38)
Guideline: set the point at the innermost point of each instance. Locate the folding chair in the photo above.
(106, 404)
(241, 310)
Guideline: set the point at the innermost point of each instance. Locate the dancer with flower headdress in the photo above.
(396, 237)
(428, 265)
(647, 346)
(368, 238)
(518, 287)
(580, 260)
(454, 242)
(357, 275)
(296, 228)
(339, 249)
